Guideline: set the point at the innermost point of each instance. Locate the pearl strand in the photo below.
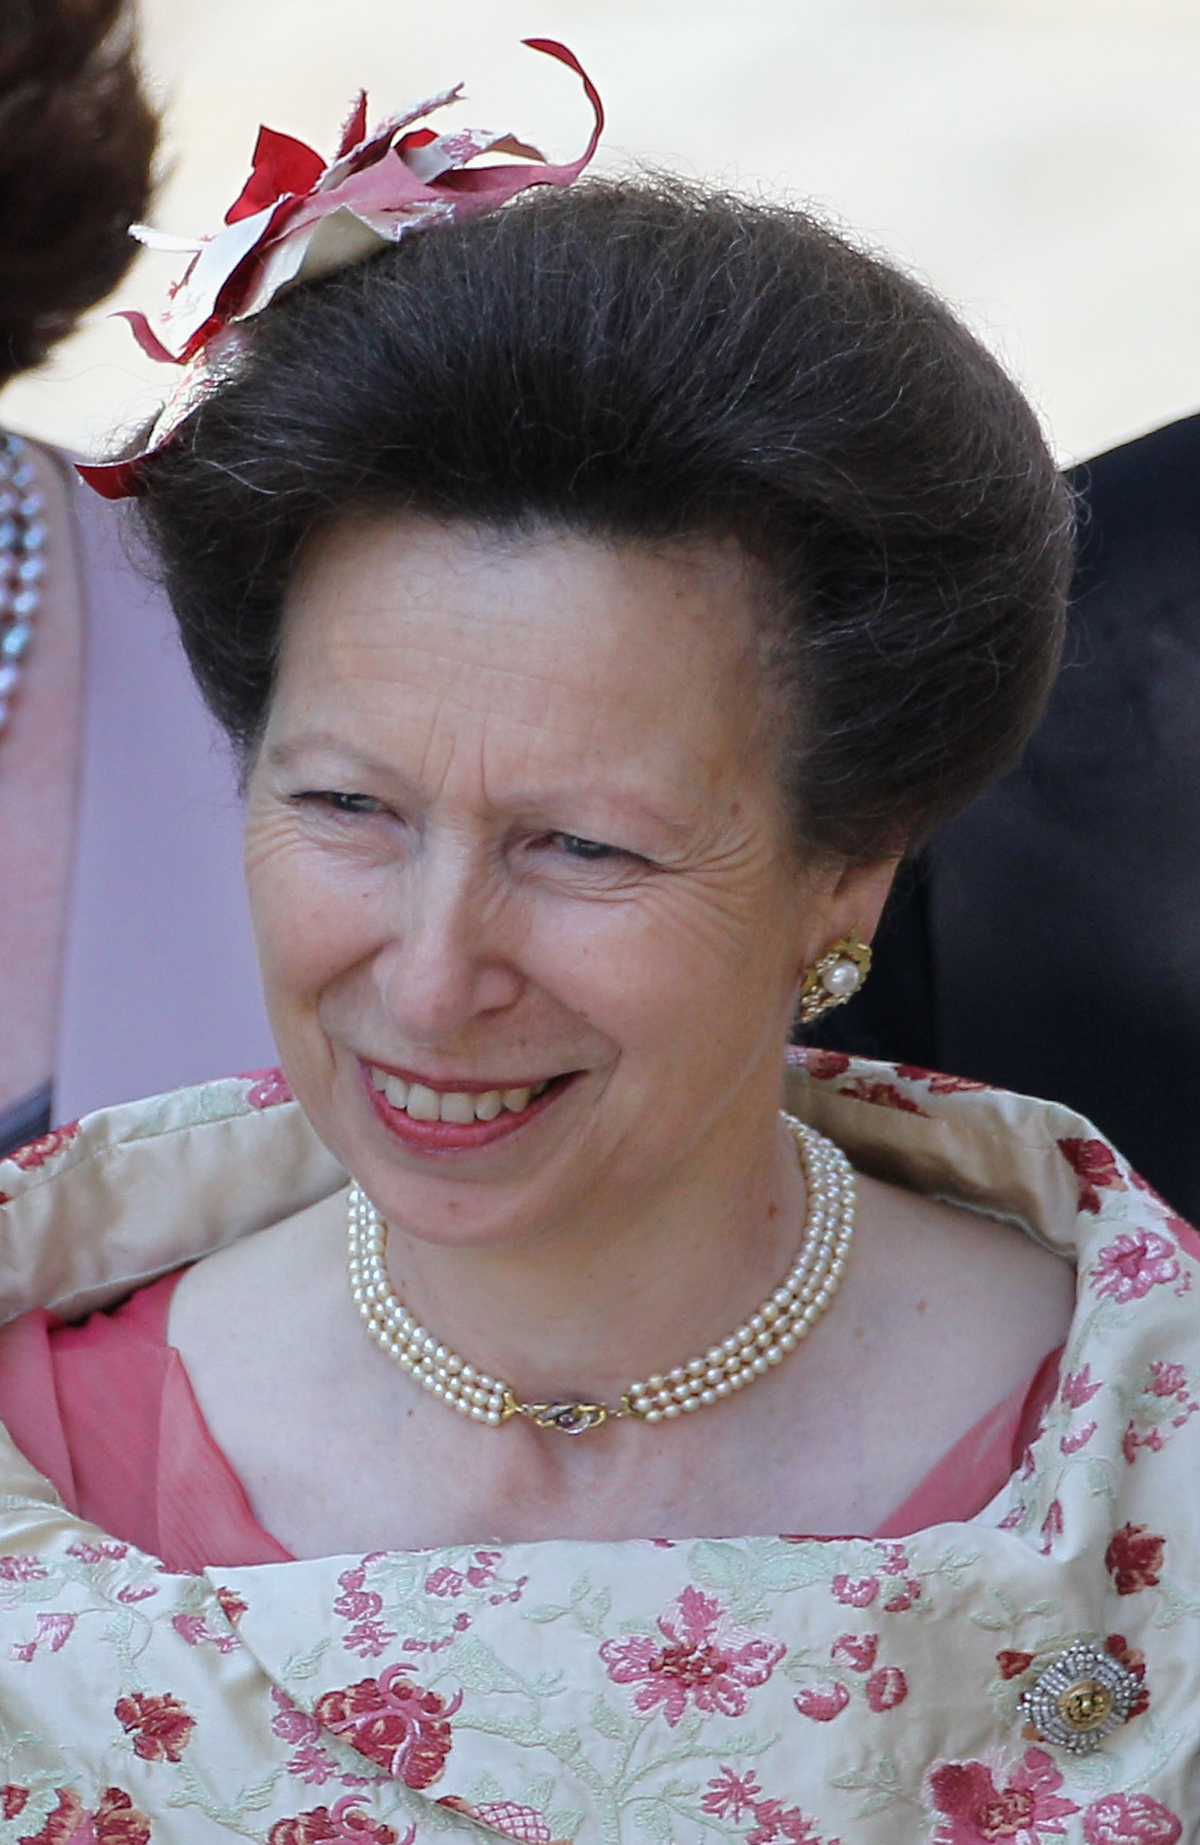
(762, 1342)
(22, 565)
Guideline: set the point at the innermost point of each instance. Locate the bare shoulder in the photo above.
(964, 1249)
(259, 1301)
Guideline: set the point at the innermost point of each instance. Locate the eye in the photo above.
(339, 802)
(577, 847)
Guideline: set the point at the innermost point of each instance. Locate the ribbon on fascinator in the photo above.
(297, 218)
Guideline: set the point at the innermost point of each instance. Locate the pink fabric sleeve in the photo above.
(106, 1411)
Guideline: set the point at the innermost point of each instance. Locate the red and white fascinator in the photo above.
(297, 218)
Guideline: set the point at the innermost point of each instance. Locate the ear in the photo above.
(858, 896)
(842, 898)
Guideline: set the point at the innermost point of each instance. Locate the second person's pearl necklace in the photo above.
(754, 1348)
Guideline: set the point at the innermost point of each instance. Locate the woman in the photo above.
(602, 592)
(109, 987)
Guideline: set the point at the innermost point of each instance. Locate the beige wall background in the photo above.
(1037, 160)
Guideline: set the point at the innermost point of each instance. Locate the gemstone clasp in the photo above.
(567, 1418)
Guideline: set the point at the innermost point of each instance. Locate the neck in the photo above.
(644, 1286)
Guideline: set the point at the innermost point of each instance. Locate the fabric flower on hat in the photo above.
(298, 218)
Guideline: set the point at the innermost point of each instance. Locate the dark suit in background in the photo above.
(1049, 939)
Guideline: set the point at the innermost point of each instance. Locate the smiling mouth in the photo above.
(456, 1107)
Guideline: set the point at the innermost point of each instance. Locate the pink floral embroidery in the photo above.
(1163, 1404)
(267, 1088)
(886, 1688)
(882, 1095)
(707, 1659)
(855, 1651)
(855, 1591)
(1077, 1438)
(1130, 1819)
(344, 1822)
(21, 1569)
(232, 1605)
(480, 1572)
(13, 1799)
(776, 1824)
(904, 1597)
(394, 1723)
(116, 1821)
(1052, 1527)
(161, 1726)
(730, 1796)
(1168, 1380)
(1095, 1165)
(1135, 1438)
(823, 1703)
(309, 1761)
(368, 1637)
(39, 1151)
(509, 1817)
(1078, 1388)
(97, 1553)
(824, 1065)
(63, 1821)
(1134, 1558)
(1135, 1263)
(354, 1602)
(196, 1631)
(978, 1812)
(50, 1630)
(939, 1082)
(735, 1797)
(1013, 1663)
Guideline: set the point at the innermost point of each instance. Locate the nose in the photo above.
(446, 962)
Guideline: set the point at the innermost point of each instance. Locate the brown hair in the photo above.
(77, 139)
(642, 359)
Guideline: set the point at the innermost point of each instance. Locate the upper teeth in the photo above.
(458, 1105)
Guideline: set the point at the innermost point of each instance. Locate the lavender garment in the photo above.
(160, 985)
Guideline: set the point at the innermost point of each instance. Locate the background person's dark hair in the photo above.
(643, 359)
(77, 141)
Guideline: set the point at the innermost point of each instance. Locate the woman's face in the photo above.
(530, 927)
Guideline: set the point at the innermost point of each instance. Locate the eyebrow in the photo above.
(282, 755)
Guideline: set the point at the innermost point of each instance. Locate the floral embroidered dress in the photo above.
(764, 1689)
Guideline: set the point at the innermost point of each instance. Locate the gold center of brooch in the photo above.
(1085, 1705)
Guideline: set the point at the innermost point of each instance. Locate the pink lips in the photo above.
(454, 1136)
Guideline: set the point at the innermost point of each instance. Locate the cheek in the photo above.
(675, 959)
(311, 920)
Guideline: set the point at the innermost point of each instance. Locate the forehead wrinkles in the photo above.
(639, 655)
(434, 699)
(537, 698)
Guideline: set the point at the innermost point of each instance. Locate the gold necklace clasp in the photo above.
(567, 1418)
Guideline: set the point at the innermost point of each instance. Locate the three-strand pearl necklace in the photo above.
(22, 564)
(754, 1348)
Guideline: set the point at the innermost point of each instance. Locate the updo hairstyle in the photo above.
(638, 361)
(77, 140)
